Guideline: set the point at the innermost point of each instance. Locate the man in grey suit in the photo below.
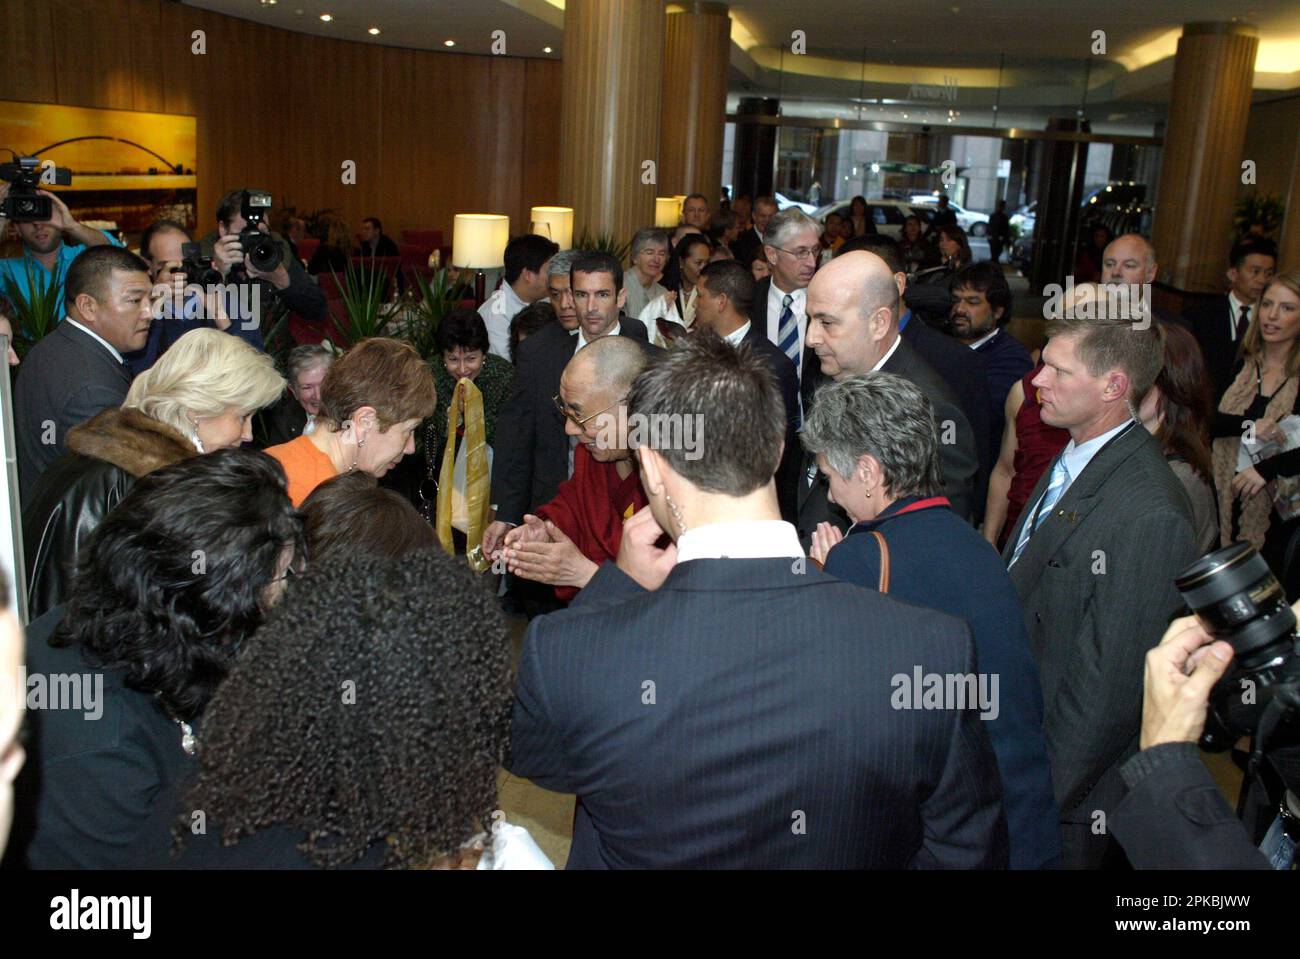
(718, 702)
(1093, 559)
(77, 369)
(853, 312)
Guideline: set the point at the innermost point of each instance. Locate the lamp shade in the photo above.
(478, 240)
(559, 219)
(666, 210)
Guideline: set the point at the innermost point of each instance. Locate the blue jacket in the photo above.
(938, 561)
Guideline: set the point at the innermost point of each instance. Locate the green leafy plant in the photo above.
(427, 303)
(275, 333)
(1258, 208)
(603, 243)
(35, 310)
(364, 286)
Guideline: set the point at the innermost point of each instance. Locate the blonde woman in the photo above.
(1264, 393)
(200, 396)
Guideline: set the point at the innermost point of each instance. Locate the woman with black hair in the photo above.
(364, 729)
(168, 589)
(668, 316)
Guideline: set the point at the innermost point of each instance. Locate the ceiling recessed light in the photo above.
(546, 49)
(449, 43)
(374, 31)
(327, 17)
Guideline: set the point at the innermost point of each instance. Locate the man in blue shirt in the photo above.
(49, 248)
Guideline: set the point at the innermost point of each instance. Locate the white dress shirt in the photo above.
(798, 303)
(95, 336)
(985, 338)
(880, 363)
(582, 336)
(497, 312)
(1234, 306)
(737, 336)
(1077, 458)
(743, 539)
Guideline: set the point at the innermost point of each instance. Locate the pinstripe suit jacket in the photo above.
(740, 716)
(1096, 583)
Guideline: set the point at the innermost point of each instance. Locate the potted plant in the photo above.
(603, 243)
(364, 288)
(1258, 209)
(34, 309)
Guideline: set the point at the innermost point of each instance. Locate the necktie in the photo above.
(787, 332)
(1055, 487)
(1243, 321)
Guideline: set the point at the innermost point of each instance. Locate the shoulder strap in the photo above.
(884, 560)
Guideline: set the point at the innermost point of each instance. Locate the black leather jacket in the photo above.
(106, 455)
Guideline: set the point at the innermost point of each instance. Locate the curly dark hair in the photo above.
(407, 754)
(171, 583)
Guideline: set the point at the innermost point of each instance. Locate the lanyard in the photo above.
(928, 503)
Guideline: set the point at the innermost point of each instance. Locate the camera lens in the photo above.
(1237, 598)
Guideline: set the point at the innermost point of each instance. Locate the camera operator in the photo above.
(1173, 816)
(287, 281)
(163, 247)
(50, 246)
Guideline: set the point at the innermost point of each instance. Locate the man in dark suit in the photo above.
(791, 244)
(1096, 592)
(77, 369)
(531, 457)
(853, 328)
(964, 371)
(374, 242)
(750, 243)
(1220, 322)
(719, 703)
(723, 306)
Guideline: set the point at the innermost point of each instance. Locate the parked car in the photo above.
(783, 201)
(1022, 221)
(888, 215)
(976, 224)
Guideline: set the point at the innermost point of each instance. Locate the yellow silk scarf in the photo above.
(466, 403)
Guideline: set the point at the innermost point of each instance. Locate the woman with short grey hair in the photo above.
(875, 441)
(649, 257)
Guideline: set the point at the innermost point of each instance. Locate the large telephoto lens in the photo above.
(1237, 598)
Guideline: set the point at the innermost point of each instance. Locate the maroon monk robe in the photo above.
(590, 508)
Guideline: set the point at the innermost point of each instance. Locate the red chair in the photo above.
(428, 239)
(307, 247)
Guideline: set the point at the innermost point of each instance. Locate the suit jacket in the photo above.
(1209, 322)
(1174, 816)
(65, 379)
(787, 474)
(967, 374)
(1096, 583)
(747, 246)
(531, 456)
(958, 460)
(743, 718)
(384, 246)
(282, 421)
(1006, 362)
(808, 364)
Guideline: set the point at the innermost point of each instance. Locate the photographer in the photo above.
(162, 246)
(49, 246)
(286, 280)
(1174, 816)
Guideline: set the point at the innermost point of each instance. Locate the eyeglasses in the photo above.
(803, 253)
(572, 418)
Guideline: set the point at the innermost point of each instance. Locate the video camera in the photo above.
(24, 204)
(262, 249)
(1236, 597)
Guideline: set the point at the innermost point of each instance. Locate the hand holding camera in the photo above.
(1180, 673)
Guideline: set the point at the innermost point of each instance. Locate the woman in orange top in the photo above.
(373, 399)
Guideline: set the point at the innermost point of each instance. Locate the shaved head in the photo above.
(852, 313)
(612, 363)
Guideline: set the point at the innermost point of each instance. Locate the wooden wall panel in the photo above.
(432, 133)
(697, 45)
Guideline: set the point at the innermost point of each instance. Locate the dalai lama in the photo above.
(572, 535)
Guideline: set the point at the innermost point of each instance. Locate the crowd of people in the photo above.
(823, 566)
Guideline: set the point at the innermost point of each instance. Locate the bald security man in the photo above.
(853, 311)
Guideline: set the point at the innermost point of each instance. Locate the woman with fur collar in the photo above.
(199, 397)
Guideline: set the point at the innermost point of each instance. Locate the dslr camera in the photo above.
(24, 204)
(1236, 597)
(262, 249)
(197, 267)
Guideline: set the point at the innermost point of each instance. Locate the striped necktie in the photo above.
(1056, 484)
(787, 332)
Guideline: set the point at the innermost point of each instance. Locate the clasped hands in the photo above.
(538, 550)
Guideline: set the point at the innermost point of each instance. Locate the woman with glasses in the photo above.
(566, 541)
(168, 589)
